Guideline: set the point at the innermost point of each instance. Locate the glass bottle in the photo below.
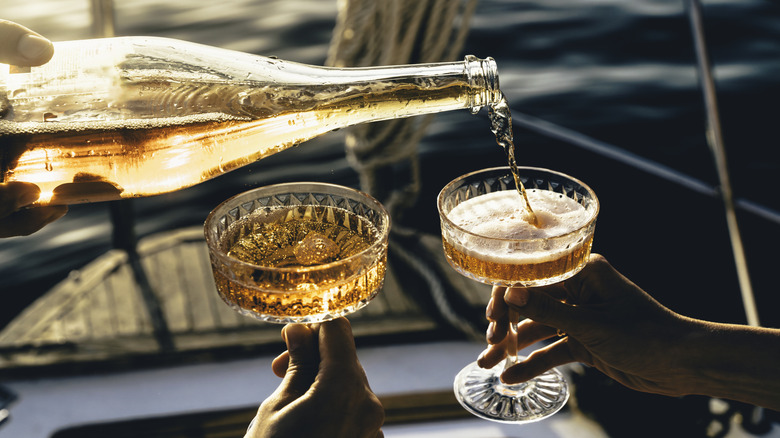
(137, 116)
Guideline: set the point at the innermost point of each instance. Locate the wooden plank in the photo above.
(71, 324)
(131, 317)
(199, 295)
(40, 315)
(101, 312)
(74, 324)
(161, 270)
(181, 266)
(53, 334)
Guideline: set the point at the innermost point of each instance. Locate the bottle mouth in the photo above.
(483, 76)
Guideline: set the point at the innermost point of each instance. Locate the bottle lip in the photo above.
(483, 75)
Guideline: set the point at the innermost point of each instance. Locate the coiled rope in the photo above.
(391, 32)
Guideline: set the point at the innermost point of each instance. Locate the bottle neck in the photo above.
(483, 75)
(426, 88)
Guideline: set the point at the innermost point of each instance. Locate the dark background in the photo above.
(619, 72)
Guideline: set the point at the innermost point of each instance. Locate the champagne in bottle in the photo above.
(137, 116)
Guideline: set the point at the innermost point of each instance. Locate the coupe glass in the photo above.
(298, 252)
(511, 262)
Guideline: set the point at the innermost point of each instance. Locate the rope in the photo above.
(715, 141)
(390, 32)
(436, 289)
(384, 154)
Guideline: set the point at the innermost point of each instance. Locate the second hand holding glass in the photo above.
(487, 236)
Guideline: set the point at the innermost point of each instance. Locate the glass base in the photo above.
(483, 394)
(300, 319)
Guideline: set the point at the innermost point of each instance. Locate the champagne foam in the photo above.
(502, 215)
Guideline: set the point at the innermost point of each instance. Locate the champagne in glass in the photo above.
(298, 252)
(488, 236)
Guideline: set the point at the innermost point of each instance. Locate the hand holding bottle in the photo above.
(324, 393)
(22, 47)
(15, 219)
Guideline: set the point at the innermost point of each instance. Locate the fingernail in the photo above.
(33, 47)
(490, 331)
(294, 336)
(516, 297)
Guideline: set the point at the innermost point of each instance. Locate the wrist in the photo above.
(730, 361)
(700, 359)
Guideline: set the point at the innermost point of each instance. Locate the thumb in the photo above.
(535, 304)
(15, 195)
(303, 362)
(21, 46)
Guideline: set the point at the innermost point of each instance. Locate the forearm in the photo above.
(733, 362)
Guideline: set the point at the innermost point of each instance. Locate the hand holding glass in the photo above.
(487, 237)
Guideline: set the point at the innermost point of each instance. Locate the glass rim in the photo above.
(451, 184)
(214, 248)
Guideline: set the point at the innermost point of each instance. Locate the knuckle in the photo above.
(375, 412)
(541, 306)
(597, 258)
(599, 262)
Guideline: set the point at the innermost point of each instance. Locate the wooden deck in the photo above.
(102, 317)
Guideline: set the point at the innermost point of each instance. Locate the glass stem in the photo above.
(511, 346)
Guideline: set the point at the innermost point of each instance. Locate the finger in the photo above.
(530, 332)
(337, 345)
(538, 305)
(280, 364)
(547, 358)
(598, 281)
(303, 363)
(496, 308)
(497, 312)
(15, 195)
(26, 222)
(340, 368)
(21, 46)
(557, 291)
(493, 355)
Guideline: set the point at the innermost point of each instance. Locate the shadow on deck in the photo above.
(102, 318)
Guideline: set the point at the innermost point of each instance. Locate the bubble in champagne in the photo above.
(315, 249)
